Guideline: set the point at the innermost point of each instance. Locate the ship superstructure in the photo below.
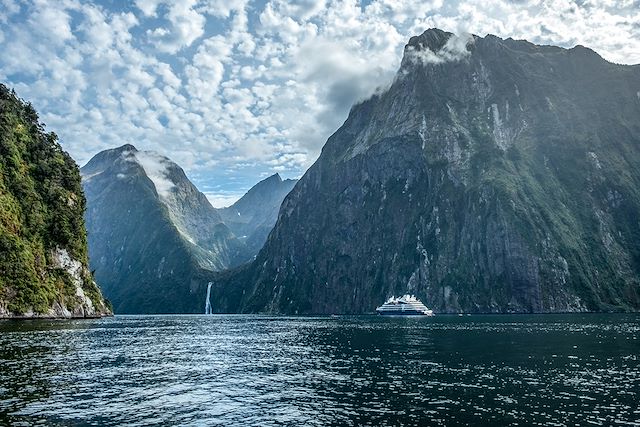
(407, 305)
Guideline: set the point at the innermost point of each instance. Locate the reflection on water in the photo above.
(253, 370)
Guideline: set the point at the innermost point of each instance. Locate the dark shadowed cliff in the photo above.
(492, 176)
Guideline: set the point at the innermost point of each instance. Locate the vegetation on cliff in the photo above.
(43, 242)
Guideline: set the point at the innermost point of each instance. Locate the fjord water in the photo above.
(365, 370)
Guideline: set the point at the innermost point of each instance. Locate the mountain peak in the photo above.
(436, 46)
(125, 147)
(143, 211)
(106, 158)
(254, 215)
(275, 177)
(434, 39)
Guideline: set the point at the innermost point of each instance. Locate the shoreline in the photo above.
(55, 317)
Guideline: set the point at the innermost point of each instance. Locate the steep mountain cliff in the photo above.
(43, 246)
(492, 176)
(253, 216)
(150, 229)
(153, 236)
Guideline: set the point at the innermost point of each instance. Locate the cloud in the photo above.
(9, 7)
(148, 7)
(51, 23)
(300, 10)
(206, 70)
(222, 200)
(185, 26)
(156, 168)
(455, 49)
(222, 8)
(235, 89)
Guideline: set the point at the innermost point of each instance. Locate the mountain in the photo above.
(151, 230)
(43, 242)
(253, 216)
(491, 176)
(154, 238)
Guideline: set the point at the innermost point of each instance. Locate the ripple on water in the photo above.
(253, 370)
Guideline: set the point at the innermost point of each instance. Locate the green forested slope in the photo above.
(43, 243)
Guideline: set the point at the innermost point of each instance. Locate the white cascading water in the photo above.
(207, 306)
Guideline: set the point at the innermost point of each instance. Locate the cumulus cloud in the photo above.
(148, 7)
(185, 26)
(233, 90)
(51, 23)
(221, 200)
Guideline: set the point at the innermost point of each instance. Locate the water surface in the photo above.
(365, 370)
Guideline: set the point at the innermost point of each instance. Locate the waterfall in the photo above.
(207, 306)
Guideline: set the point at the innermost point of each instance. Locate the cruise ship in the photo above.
(407, 305)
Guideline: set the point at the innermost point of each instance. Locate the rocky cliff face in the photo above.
(492, 176)
(153, 237)
(43, 246)
(150, 229)
(253, 216)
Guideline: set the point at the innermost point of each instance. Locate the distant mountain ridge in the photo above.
(152, 232)
(492, 176)
(253, 216)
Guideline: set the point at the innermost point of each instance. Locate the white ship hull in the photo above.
(407, 305)
(404, 313)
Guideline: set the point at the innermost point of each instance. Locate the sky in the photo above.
(236, 90)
